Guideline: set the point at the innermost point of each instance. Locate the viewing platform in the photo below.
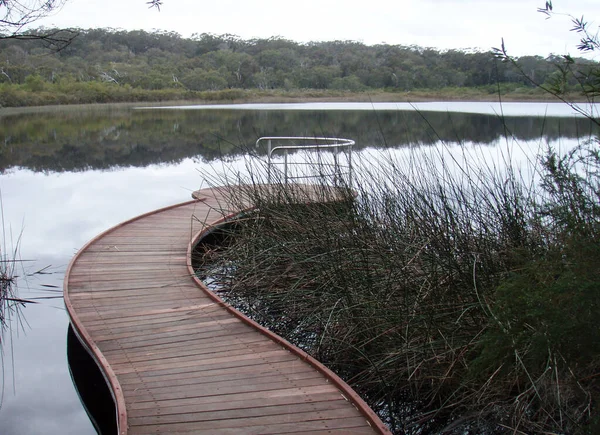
(176, 358)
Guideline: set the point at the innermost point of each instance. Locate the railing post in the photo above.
(285, 166)
(350, 166)
(336, 166)
(269, 160)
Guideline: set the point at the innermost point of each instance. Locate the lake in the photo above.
(67, 175)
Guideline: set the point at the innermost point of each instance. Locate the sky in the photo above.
(441, 24)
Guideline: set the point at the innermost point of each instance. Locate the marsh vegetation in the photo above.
(458, 292)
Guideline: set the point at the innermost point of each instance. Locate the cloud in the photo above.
(430, 23)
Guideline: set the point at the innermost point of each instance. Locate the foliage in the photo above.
(570, 74)
(164, 60)
(455, 297)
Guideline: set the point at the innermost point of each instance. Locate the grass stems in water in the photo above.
(455, 295)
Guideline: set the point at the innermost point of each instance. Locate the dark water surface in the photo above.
(84, 140)
(67, 175)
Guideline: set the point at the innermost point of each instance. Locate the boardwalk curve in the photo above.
(179, 360)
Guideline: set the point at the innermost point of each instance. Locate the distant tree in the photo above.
(201, 80)
(348, 83)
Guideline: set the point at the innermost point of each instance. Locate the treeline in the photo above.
(102, 65)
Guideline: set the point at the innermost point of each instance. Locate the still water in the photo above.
(67, 175)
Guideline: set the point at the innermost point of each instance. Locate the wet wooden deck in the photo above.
(176, 358)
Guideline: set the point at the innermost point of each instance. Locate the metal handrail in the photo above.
(333, 143)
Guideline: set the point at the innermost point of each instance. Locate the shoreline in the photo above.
(303, 97)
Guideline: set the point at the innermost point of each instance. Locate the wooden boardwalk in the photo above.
(176, 358)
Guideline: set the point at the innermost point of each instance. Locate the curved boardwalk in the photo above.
(177, 359)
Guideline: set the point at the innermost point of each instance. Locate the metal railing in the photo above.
(284, 145)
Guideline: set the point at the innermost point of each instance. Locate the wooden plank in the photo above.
(173, 331)
(274, 411)
(110, 266)
(338, 418)
(253, 396)
(184, 363)
(105, 328)
(288, 365)
(350, 426)
(148, 321)
(198, 351)
(135, 249)
(88, 256)
(151, 274)
(183, 339)
(199, 385)
(206, 364)
(198, 361)
(229, 391)
(145, 311)
(128, 289)
(136, 297)
(236, 404)
(359, 429)
(257, 372)
(128, 303)
(231, 388)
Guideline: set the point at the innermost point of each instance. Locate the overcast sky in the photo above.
(442, 24)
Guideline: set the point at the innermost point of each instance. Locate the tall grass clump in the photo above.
(454, 294)
(7, 293)
(9, 301)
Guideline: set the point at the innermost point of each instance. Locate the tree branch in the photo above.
(55, 40)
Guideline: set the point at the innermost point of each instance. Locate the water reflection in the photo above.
(56, 188)
(90, 384)
(58, 213)
(78, 141)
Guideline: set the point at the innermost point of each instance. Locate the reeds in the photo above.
(9, 301)
(454, 294)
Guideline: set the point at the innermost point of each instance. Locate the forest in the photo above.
(111, 65)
